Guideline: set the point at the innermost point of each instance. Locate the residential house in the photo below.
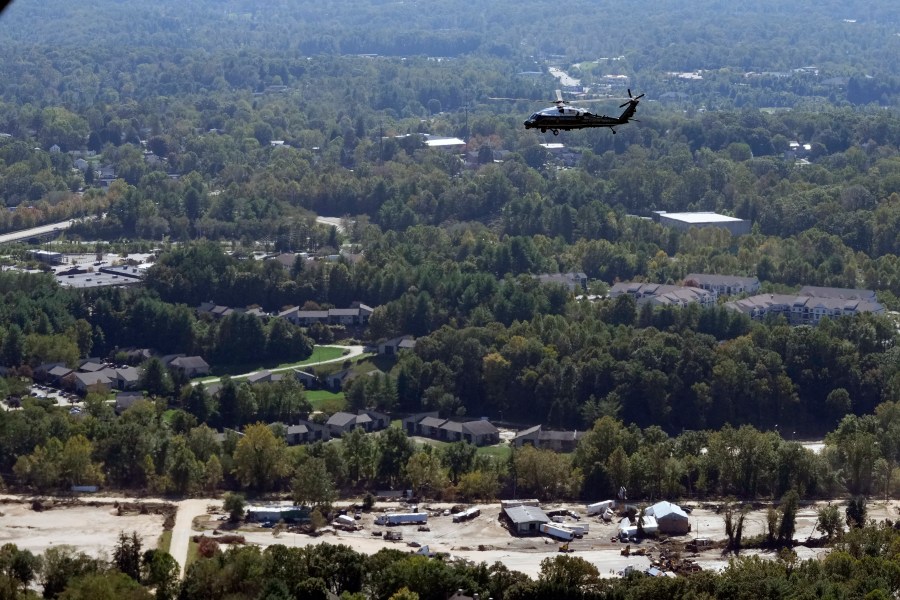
(410, 424)
(537, 436)
(837, 293)
(723, 285)
(57, 373)
(342, 422)
(336, 381)
(125, 400)
(431, 427)
(393, 346)
(91, 365)
(309, 380)
(479, 432)
(357, 314)
(127, 378)
(191, 366)
(306, 432)
(808, 309)
(264, 376)
(95, 381)
(658, 294)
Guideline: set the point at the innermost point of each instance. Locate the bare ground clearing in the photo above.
(90, 527)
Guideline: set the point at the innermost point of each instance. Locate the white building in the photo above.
(686, 220)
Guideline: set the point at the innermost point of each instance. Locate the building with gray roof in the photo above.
(524, 519)
(803, 310)
(723, 285)
(660, 294)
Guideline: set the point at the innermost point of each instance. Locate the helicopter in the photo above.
(564, 117)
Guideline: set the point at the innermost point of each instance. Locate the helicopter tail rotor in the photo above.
(631, 99)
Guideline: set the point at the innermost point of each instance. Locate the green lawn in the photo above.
(326, 401)
(500, 451)
(165, 540)
(319, 354)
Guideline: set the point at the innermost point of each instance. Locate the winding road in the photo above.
(354, 351)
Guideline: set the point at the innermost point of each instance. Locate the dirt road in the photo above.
(188, 510)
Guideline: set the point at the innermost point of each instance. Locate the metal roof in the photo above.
(526, 514)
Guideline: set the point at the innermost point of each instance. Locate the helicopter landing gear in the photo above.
(555, 131)
(613, 130)
(543, 130)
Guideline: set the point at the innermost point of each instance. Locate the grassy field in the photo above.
(165, 540)
(500, 451)
(326, 401)
(319, 354)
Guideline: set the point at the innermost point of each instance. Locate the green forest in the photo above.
(210, 132)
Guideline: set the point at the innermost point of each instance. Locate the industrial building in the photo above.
(525, 519)
(670, 518)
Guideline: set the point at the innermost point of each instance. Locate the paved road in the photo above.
(354, 352)
(188, 510)
(24, 234)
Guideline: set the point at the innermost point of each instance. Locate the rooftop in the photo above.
(526, 514)
(700, 217)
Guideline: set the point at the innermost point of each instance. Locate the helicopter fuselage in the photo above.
(566, 118)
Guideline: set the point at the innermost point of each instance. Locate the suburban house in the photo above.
(342, 422)
(92, 381)
(659, 294)
(104, 379)
(218, 311)
(125, 400)
(393, 346)
(309, 380)
(807, 309)
(357, 314)
(51, 372)
(306, 432)
(264, 376)
(56, 374)
(191, 366)
(560, 441)
(479, 432)
(411, 422)
(723, 285)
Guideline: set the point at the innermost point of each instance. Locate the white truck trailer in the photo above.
(598, 508)
(415, 518)
(558, 531)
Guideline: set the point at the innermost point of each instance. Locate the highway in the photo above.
(24, 234)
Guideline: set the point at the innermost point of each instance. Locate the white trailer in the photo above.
(558, 531)
(402, 518)
(598, 508)
(578, 528)
(344, 521)
(469, 513)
